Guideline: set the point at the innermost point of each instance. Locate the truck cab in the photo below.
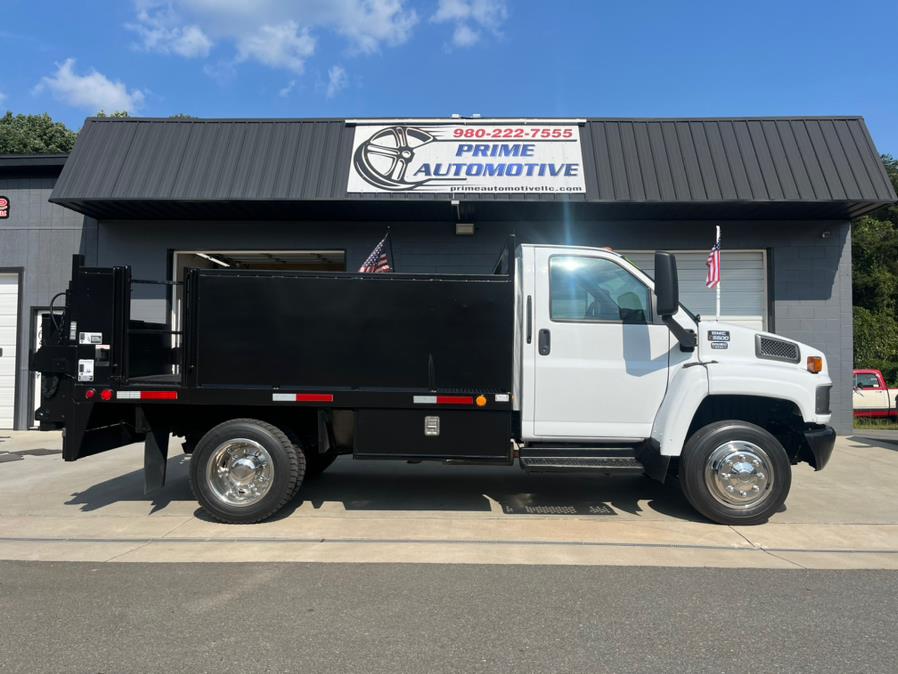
(600, 361)
(871, 396)
(565, 359)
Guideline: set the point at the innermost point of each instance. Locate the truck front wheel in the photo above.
(734, 472)
(245, 470)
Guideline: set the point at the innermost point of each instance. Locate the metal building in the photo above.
(161, 195)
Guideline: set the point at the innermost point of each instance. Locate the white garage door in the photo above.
(9, 315)
(743, 284)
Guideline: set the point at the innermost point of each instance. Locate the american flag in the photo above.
(377, 262)
(713, 264)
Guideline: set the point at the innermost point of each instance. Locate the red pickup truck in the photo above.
(872, 397)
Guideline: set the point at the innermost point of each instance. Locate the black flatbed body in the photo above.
(387, 348)
(349, 331)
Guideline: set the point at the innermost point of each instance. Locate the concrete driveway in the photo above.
(366, 511)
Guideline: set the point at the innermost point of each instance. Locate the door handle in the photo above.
(545, 342)
(529, 319)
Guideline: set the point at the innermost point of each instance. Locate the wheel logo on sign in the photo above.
(383, 159)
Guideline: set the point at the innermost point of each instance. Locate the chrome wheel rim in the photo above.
(240, 472)
(739, 475)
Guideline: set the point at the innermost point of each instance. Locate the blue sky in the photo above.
(354, 58)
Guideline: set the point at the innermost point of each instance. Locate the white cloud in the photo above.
(465, 36)
(281, 46)
(222, 71)
(93, 91)
(336, 80)
(160, 30)
(452, 10)
(368, 23)
(471, 18)
(189, 27)
(287, 90)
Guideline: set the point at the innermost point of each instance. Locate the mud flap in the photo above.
(85, 435)
(155, 459)
(654, 463)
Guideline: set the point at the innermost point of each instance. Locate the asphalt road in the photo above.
(78, 617)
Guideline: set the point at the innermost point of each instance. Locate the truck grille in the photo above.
(776, 349)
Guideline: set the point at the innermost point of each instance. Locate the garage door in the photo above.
(9, 314)
(743, 286)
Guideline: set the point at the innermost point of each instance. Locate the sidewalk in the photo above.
(95, 510)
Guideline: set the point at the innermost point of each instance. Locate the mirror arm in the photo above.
(686, 338)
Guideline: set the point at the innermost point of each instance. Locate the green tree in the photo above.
(26, 134)
(118, 114)
(874, 253)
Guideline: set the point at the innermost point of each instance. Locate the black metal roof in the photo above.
(23, 165)
(804, 168)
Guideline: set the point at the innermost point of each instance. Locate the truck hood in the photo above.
(725, 342)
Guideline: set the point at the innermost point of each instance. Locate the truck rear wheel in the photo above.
(245, 470)
(734, 472)
(316, 462)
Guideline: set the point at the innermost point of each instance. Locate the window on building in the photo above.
(594, 289)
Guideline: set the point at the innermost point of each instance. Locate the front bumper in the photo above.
(819, 443)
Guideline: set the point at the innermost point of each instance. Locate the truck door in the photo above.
(869, 392)
(600, 360)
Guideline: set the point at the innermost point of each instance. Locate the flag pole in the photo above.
(717, 288)
(390, 242)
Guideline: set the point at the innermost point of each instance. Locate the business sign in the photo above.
(470, 156)
(4, 208)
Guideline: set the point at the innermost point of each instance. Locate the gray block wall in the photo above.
(809, 261)
(39, 238)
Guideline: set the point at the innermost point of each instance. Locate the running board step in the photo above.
(604, 465)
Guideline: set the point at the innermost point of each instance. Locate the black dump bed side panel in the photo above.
(308, 329)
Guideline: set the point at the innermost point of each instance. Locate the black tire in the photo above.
(709, 443)
(316, 462)
(288, 468)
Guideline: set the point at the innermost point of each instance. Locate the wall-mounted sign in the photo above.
(4, 208)
(471, 156)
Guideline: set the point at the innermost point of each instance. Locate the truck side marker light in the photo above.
(815, 364)
(146, 395)
(302, 397)
(158, 395)
(443, 400)
(455, 400)
(106, 394)
(314, 397)
(480, 400)
(90, 394)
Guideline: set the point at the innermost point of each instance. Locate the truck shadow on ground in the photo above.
(394, 487)
(890, 443)
(129, 487)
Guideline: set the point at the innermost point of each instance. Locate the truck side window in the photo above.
(593, 289)
(866, 381)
